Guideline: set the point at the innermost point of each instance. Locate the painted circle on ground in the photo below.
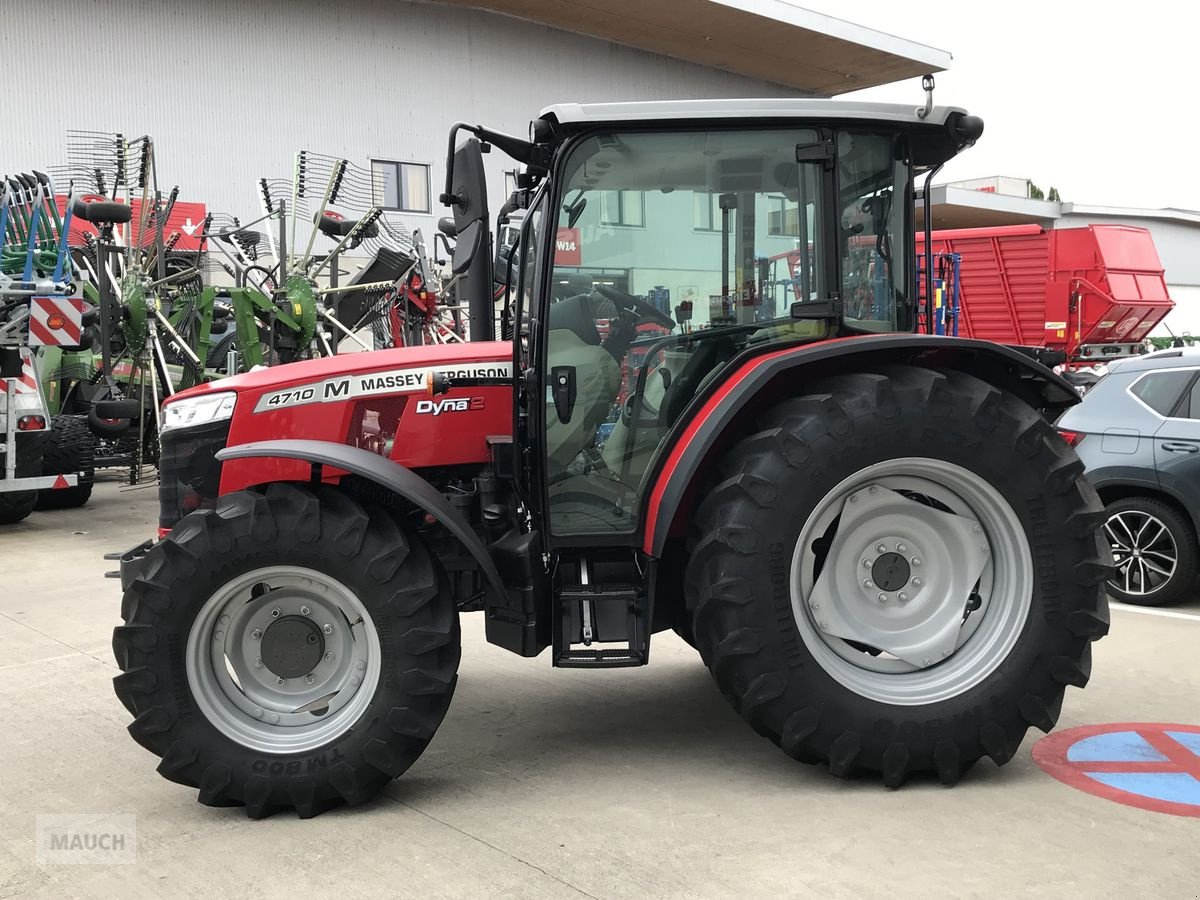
(1150, 765)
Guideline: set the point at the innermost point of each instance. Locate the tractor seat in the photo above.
(97, 211)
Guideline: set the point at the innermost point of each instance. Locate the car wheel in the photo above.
(1154, 548)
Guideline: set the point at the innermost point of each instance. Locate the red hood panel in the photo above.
(378, 401)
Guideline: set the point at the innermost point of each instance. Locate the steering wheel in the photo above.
(642, 310)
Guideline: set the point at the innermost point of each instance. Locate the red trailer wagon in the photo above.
(1092, 294)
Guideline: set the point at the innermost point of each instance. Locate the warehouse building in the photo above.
(230, 91)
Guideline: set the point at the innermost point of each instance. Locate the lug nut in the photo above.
(853, 498)
(917, 582)
(258, 663)
(916, 561)
(868, 584)
(279, 680)
(978, 530)
(867, 563)
(275, 613)
(985, 548)
(256, 633)
(900, 548)
(903, 596)
(872, 490)
(815, 605)
(304, 610)
(883, 598)
(881, 549)
(328, 629)
(328, 657)
(308, 679)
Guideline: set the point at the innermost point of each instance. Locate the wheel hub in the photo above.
(292, 646)
(890, 572)
(911, 580)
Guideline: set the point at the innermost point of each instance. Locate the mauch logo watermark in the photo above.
(87, 839)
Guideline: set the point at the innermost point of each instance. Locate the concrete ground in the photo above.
(545, 783)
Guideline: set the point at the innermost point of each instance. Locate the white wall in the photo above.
(231, 89)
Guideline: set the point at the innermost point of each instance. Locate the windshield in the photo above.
(674, 252)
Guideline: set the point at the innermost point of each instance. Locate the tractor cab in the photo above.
(642, 274)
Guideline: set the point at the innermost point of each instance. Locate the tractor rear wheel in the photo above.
(70, 450)
(291, 649)
(899, 573)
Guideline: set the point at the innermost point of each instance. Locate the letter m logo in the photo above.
(335, 389)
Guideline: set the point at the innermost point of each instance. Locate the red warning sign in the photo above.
(1152, 766)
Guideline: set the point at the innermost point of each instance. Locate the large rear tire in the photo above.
(70, 450)
(291, 649)
(899, 573)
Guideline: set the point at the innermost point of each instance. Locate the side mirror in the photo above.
(468, 202)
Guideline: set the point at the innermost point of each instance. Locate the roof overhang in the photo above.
(769, 40)
(963, 208)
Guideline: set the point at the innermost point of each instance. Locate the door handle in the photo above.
(1180, 447)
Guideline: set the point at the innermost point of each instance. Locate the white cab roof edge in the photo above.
(800, 108)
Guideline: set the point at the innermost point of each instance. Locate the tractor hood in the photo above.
(398, 362)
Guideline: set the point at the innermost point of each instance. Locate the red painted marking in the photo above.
(1050, 753)
(43, 334)
(59, 483)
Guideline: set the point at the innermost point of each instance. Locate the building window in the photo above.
(783, 218)
(622, 208)
(706, 212)
(402, 186)
(510, 184)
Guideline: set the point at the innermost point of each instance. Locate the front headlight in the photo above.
(192, 411)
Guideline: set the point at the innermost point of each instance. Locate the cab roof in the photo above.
(588, 114)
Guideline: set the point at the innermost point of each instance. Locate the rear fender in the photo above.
(769, 377)
(392, 476)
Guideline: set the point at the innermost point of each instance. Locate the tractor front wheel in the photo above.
(291, 649)
(899, 573)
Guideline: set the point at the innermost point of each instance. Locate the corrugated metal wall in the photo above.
(230, 89)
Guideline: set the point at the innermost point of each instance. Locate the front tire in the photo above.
(886, 677)
(291, 649)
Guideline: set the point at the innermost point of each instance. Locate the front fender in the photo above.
(785, 372)
(387, 474)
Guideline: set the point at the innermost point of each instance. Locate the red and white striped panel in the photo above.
(55, 321)
(27, 383)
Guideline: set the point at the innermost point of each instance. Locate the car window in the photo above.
(1192, 410)
(1160, 390)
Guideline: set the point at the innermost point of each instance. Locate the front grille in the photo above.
(189, 472)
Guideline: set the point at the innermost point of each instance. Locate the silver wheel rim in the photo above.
(240, 695)
(966, 591)
(1144, 551)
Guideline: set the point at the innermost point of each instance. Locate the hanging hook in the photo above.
(927, 87)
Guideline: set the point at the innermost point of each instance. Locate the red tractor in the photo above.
(879, 546)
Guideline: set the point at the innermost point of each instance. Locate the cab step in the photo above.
(606, 614)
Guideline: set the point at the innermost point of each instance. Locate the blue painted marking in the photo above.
(1174, 787)
(1189, 739)
(1116, 746)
